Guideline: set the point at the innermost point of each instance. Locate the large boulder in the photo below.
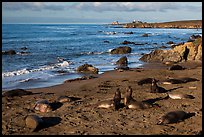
(182, 52)
(122, 61)
(121, 50)
(190, 50)
(87, 68)
(9, 52)
(161, 56)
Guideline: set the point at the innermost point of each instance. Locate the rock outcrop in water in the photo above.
(9, 52)
(87, 68)
(121, 50)
(122, 61)
(184, 52)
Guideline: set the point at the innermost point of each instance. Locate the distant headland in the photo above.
(184, 24)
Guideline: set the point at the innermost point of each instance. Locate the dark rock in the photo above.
(106, 41)
(127, 42)
(176, 67)
(87, 68)
(170, 42)
(193, 38)
(24, 48)
(9, 52)
(145, 35)
(138, 43)
(24, 53)
(121, 50)
(122, 61)
(122, 68)
(16, 92)
(128, 32)
(163, 47)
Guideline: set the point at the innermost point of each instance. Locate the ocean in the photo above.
(48, 54)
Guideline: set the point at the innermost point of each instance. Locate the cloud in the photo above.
(125, 6)
(104, 6)
(135, 6)
(36, 6)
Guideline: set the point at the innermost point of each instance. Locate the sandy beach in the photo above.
(79, 117)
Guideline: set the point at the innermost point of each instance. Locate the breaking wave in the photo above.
(26, 71)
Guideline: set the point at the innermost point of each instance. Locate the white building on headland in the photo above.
(136, 21)
(115, 23)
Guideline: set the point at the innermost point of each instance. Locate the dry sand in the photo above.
(77, 117)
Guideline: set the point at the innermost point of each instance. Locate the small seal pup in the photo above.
(172, 117)
(43, 106)
(33, 121)
(155, 88)
(129, 102)
(179, 96)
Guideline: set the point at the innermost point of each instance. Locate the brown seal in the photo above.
(117, 99)
(114, 102)
(43, 106)
(33, 121)
(129, 102)
(105, 104)
(172, 117)
(155, 88)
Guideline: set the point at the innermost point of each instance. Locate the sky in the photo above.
(99, 12)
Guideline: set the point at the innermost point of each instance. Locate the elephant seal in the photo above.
(117, 99)
(180, 96)
(114, 102)
(172, 117)
(43, 106)
(129, 102)
(33, 121)
(105, 104)
(155, 88)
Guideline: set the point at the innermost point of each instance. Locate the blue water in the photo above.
(75, 45)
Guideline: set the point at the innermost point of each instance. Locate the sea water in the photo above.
(54, 51)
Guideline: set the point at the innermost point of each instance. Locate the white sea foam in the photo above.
(109, 50)
(92, 53)
(64, 64)
(26, 71)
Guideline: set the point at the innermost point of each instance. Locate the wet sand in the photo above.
(78, 117)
